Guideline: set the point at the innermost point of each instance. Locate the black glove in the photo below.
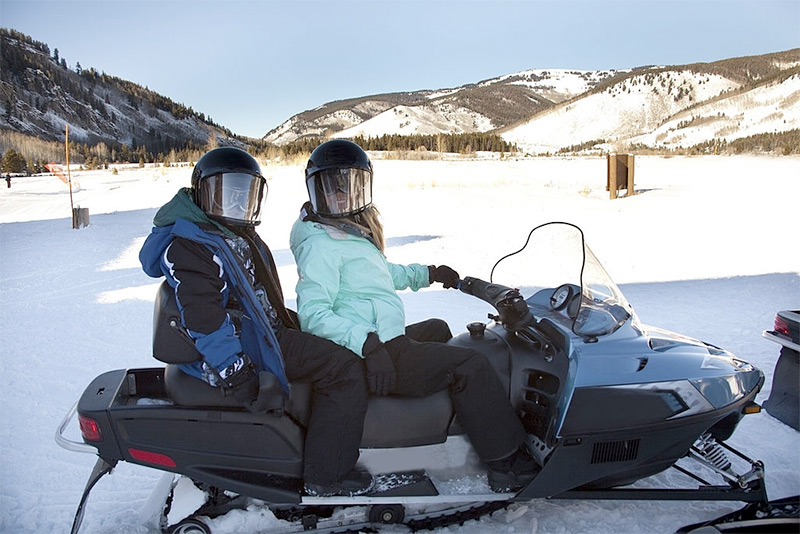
(240, 380)
(380, 369)
(444, 274)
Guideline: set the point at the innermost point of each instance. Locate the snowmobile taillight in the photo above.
(90, 430)
(781, 326)
(152, 457)
(751, 407)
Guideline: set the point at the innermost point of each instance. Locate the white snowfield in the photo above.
(707, 247)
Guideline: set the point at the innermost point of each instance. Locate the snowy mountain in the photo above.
(773, 106)
(544, 111)
(541, 111)
(665, 108)
(480, 107)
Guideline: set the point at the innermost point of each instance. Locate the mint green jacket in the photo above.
(346, 287)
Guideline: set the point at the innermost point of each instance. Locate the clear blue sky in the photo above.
(250, 64)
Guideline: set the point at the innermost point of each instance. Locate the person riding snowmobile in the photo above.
(347, 292)
(231, 305)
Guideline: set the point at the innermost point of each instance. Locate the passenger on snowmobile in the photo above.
(347, 292)
(231, 308)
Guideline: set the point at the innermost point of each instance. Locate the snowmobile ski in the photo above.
(779, 516)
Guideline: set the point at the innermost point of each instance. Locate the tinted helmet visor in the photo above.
(339, 192)
(233, 197)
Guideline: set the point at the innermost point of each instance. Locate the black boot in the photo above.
(513, 472)
(351, 484)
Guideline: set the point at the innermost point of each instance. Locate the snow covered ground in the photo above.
(708, 248)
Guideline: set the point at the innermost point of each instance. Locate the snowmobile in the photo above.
(606, 401)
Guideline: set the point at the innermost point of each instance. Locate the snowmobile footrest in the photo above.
(403, 484)
(101, 467)
(387, 485)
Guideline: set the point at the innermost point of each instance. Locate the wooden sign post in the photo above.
(619, 174)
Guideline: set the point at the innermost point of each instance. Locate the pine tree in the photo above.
(13, 162)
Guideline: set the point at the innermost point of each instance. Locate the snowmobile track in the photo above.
(371, 521)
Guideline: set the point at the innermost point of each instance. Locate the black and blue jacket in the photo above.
(197, 257)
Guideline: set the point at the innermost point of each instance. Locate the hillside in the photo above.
(479, 107)
(547, 111)
(39, 95)
(720, 101)
(772, 106)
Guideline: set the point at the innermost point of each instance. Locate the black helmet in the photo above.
(228, 186)
(339, 179)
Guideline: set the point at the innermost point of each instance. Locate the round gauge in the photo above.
(574, 306)
(560, 297)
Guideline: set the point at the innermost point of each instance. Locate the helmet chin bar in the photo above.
(229, 222)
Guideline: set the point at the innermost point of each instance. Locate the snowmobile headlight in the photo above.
(721, 390)
(692, 397)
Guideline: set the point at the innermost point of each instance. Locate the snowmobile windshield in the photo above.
(561, 277)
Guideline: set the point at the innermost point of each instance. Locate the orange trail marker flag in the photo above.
(58, 171)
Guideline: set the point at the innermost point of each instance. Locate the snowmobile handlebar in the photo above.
(486, 291)
(510, 305)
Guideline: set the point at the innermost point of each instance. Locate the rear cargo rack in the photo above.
(66, 443)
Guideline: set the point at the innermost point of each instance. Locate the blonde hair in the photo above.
(370, 219)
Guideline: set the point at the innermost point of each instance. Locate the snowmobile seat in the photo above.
(186, 390)
(173, 346)
(408, 421)
(389, 422)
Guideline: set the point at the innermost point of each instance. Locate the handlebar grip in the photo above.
(487, 291)
(466, 285)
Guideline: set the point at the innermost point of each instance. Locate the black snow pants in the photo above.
(338, 402)
(425, 364)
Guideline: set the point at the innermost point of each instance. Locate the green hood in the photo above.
(182, 206)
